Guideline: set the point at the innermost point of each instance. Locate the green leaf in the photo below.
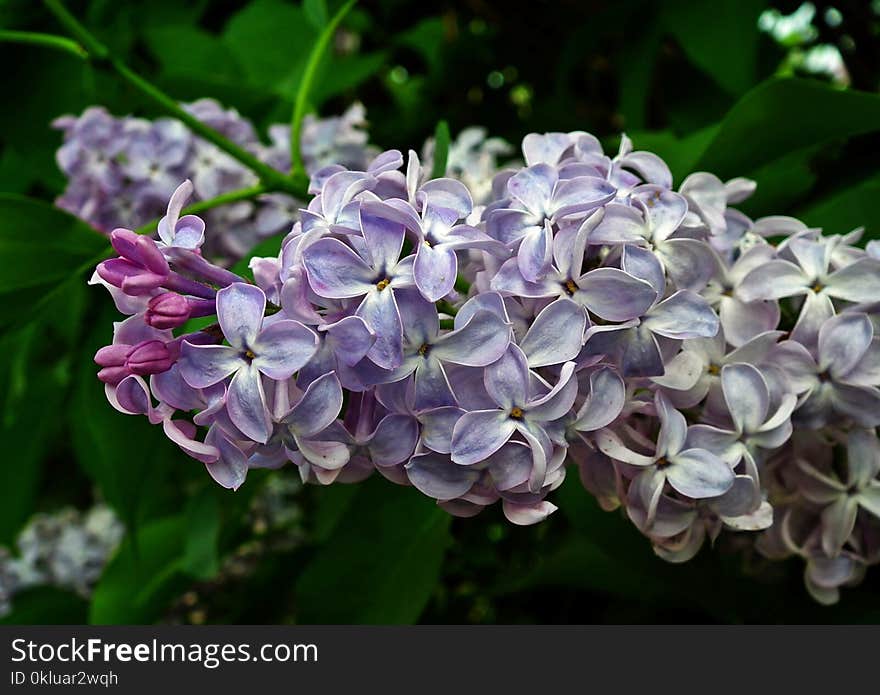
(332, 503)
(141, 579)
(380, 564)
(782, 116)
(200, 555)
(316, 12)
(426, 38)
(348, 72)
(41, 248)
(184, 50)
(46, 605)
(126, 456)
(270, 39)
(30, 430)
(721, 38)
(441, 150)
(847, 209)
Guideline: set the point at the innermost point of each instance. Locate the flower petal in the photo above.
(603, 403)
(437, 427)
(863, 457)
(479, 342)
(379, 312)
(527, 514)
(684, 314)
(246, 404)
(230, 470)
(337, 272)
(318, 407)
(479, 434)
(435, 270)
(240, 309)
(350, 338)
(747, 396)
(857, 282)
(438, 477)
(615, 295)
(673, 427)
(743, 321)
(535, 252)
(773, 280)
(843, 340)
(283, 347)
(205, 365)
(698, 474)
(533, 187)
(394, 439)
(838, 521)
(558, 401)
(507, 380)
(432, 389)
(556, 335)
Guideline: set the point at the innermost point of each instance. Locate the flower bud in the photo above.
(151, 357)
(167, 310)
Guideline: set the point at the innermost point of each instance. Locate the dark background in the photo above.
(696, 82)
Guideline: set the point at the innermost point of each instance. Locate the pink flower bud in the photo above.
(151, 357)
(167, 310)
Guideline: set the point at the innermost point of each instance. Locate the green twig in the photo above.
(59, 43)
(222, 199)
(97, 51)
(297, 168)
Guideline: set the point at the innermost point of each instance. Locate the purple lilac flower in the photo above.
(255, 350)
(701, 377)
(122, 170)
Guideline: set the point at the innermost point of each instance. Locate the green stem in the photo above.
(222, 199)
(297, 168)
(59, 43)
(270, 177)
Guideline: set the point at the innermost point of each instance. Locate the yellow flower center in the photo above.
(516, 413)
(382, 284)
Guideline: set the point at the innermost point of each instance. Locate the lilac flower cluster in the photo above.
(122, 171)
(700, 376)
(67, 549)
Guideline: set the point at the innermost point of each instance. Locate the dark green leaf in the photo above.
(200, 555)
(847, 209)
(348, 72)
(270, 39)
(441, 149)
(140, 580)
(316, 12)
(47, 605)
(381, 563)
(126, 456)
(721, 38)
(783, 116)
(41, 247)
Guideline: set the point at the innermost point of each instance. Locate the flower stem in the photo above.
(59, 43)
(222, 199)
(297, 168)
(271, 178)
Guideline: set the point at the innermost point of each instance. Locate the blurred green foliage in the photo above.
(696, 82)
